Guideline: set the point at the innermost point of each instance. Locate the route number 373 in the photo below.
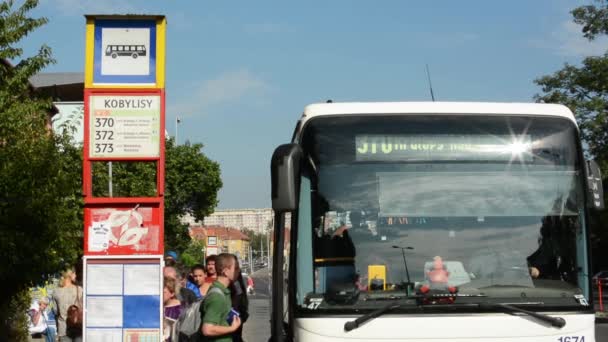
(571, 339)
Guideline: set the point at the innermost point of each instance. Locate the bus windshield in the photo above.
(459, 207)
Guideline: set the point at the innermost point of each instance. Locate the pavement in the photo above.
(257, 328)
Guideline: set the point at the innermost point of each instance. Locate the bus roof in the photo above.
(447, 108)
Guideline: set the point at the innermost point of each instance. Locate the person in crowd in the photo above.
(184, 295)
(172, 308)
(170, 258)
(211, 271)
(198, 278)
(190, 284)
(240, 302)
(217, 305)
(211, 274)
(250, 286)
(38, 327)
(68, 294)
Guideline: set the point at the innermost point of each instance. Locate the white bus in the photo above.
(433, 222)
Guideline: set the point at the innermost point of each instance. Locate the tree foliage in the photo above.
(192, 182)
(584, 89)
(41, 221)
(256, 240)
(194, 253)
(40, 202)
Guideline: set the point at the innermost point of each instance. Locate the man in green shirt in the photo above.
(217, 304)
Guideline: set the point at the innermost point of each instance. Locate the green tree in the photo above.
(194, 254)
(40, 200)
(192, 182)
(256, 240)
(584, 89)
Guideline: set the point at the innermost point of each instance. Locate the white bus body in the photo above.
(383, 194)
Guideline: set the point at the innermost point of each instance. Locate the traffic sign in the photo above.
(125, 51)
(124, 126)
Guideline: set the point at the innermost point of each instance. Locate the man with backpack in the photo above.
(217, 306)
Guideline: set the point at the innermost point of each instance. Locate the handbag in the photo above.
(73, 320)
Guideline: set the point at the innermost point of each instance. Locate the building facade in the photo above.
(222, 240)
(257, 220)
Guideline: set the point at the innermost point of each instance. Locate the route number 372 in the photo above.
(571, 339)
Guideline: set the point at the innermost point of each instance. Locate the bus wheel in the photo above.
(114, 55)
(134, 55)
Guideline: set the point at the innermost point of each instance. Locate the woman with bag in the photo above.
(68, 308)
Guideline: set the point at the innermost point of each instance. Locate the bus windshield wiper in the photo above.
(354, 324)
(557, 322)
(351, 325)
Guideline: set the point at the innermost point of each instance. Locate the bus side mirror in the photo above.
(285, 177)
(595, 189)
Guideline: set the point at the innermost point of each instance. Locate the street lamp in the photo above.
(177, 121)
(407, 273)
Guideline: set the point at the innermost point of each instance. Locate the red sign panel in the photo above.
(123, 230)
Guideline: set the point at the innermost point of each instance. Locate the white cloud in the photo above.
(568, 41)
(226, 88)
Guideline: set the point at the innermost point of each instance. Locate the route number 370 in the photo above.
(571, 339)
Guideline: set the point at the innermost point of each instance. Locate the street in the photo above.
(601, 332)
(257, 328)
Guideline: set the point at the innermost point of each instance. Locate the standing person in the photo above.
(172, 308)
(198, 278)
(211, 273)
(240, 303)
(171, 258)
(184, 295)
(217, 306)
(250, 285)
(38, 327)
(66, 295)
(211, 270)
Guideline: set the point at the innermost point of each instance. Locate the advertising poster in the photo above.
(124, 126)
(122, 231)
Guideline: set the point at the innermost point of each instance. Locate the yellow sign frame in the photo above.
(161, 27)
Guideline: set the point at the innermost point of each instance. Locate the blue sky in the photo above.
(240, 73)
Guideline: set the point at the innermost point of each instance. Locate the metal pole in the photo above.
(176, 123)
(250, 261)
(599, 287)
(110, 178)
(262, 248)
(407, 273)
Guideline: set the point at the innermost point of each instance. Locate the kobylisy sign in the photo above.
(124, 126)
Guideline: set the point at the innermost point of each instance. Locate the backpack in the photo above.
(190, 320)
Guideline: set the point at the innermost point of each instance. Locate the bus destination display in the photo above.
(378, 147)
(124, 126)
